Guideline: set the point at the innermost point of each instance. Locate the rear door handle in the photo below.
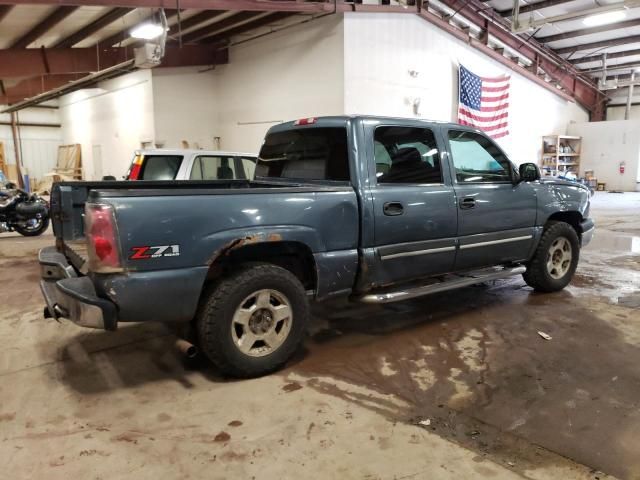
(467, 203)
(393, 208)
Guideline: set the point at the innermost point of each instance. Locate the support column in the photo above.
(627, 111)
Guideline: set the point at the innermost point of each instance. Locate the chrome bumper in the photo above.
(72, 297)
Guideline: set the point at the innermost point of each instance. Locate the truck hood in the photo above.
(560, 181)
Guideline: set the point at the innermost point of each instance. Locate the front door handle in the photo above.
(393, 208)
(467, 203)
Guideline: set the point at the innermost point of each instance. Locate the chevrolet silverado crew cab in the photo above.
(165, 164)
(373, 209)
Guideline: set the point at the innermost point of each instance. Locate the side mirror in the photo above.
(529, 172)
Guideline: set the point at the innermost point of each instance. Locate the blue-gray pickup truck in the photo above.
(370, 208)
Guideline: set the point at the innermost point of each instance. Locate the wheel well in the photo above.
(572, 218)
(293, 256)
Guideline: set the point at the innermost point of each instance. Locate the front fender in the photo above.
(560, 197)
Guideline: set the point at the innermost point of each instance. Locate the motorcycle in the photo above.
(22, 212)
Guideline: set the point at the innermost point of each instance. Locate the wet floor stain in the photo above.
(473, 363)
(291, 387)
(222, 437)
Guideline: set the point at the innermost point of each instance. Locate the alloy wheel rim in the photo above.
(559, 258)
(33, 224)
(261, 322)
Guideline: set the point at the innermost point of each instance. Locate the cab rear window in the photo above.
(305, 154)
(160, 167)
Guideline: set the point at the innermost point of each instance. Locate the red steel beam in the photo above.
(559, 70)
(197, 19)
(4, 10)
(30, 62)
(260, 22)
(253, 5)
(109, 17)
(217, 26)
(534, 6)
(43, 27)
(614, 42)
(598, 58)
(588, 31)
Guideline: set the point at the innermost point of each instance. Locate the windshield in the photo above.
(305, 154)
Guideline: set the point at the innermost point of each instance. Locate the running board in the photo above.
(420, 290)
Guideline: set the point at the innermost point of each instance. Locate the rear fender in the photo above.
(225, 242)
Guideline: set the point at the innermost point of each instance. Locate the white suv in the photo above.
(161, 164)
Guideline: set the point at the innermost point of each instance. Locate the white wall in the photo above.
(185, 102)
(110, 122)
(605, 145)
(381, 48)
(39, 145)
(283, 76)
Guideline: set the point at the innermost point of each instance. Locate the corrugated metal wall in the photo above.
(38, 154)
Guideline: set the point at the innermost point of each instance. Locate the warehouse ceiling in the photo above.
(584, 46)
(45, 44)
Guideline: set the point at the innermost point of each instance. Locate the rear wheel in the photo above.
(251, 322)
(555, 260)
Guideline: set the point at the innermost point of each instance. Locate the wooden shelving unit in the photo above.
(561, 154)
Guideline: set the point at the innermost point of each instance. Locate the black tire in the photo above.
(538, 275)
(219, 303)
(25, 232)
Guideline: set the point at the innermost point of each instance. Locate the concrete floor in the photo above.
(499, 400)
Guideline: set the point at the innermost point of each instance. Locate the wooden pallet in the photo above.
(3, 162)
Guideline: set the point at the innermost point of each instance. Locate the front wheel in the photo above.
(555, 260)
(33, 227)
(251, 322)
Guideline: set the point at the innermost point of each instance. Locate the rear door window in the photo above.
(305, 154)
(160, 167)
(406, 155)
(207, 167)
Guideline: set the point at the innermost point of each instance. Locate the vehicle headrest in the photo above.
(407, 155)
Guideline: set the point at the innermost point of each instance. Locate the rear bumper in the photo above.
(588, 229)
(72, 297)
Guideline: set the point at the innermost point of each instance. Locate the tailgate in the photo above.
(67, 209)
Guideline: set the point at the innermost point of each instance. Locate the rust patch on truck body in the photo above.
(237, 243)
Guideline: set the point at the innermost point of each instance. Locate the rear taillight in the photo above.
(136, 167)
(102, 238)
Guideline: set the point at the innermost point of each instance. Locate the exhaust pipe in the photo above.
(187, 349)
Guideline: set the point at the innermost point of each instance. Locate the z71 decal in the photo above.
(143, 253)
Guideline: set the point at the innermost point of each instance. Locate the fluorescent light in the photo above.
(147, 31)
(604, 18)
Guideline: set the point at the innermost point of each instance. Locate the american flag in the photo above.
(484, 103)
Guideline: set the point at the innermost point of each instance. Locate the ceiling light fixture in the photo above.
(147, 31)
(604, 18)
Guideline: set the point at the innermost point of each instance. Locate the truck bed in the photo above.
(68, 198)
